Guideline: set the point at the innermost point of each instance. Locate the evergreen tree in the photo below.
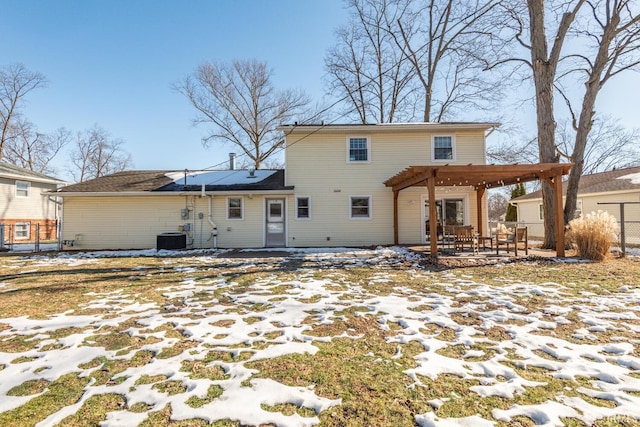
(512, 212)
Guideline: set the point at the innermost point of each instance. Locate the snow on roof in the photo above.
(634, 177)
(225, 177)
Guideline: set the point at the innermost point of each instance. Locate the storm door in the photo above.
(275, 235)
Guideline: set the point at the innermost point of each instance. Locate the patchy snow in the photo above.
(599, 351)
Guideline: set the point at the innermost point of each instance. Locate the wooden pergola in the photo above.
(480, 177)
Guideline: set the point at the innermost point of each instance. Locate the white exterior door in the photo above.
(275, 226)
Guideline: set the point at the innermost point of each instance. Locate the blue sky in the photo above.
(112, 63)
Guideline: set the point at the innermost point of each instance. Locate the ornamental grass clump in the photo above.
(592, 235)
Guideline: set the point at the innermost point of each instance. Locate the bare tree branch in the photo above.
(96, 153)
(239, 100)
(16, 81)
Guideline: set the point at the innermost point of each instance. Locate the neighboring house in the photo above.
(26, 204)
(331, 193)
(621, 185)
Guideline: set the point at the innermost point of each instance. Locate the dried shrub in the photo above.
(592, 234)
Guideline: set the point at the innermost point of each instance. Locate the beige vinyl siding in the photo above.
(331, 185)
(528, 209)
(631, 211)
(240, 233)
(36, 206)
(134, 222)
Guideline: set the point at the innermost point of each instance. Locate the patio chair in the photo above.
(464, 236)
(520, 235)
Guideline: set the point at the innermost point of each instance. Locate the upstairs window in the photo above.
(358, 150)
(234, 208)
(22, 189)
(303, 208)
(443, 147)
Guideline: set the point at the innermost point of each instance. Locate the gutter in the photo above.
(384, 127)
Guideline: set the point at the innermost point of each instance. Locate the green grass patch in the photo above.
(62, 392)
(94, 410)
(213, 392)
(28, 388)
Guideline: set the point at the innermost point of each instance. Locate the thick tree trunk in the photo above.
(543, 76)
(544, 72)
(592, 88)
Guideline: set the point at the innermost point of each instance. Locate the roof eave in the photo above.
(166, 193)
(386, 127)
(32, 179)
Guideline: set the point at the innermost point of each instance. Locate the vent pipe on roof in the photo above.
(232, 161)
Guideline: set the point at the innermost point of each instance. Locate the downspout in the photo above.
(58, 205)
(214, 228)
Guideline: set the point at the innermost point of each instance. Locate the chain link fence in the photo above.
(29, 236)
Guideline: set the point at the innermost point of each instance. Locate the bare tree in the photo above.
(498, 202)
(448, 42)
(239, 100)
(609, 145)
(605, 41)
(33, 150)
(543, 40)
(367, 69)
(544, 66)
(96, 154)
(16, 81)
(414, 59)
(613, 33)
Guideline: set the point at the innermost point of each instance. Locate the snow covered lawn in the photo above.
(332, 338)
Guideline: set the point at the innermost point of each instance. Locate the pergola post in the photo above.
(433, 216)
(557, 192)
(479, 208)
(395, 217)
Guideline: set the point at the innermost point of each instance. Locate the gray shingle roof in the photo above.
(141, 181)
(602, 182)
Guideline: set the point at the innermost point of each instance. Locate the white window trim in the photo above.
(28, 188)
(540, 212)
(15, 231)
(348, 143)
(241, 208)
(309, 207)
(358, 218)
(453, 148)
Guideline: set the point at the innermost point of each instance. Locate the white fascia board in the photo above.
(32, 179)
(387, 127)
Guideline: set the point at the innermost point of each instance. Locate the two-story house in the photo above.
(339, 172)
(334, 191)
(26, 204)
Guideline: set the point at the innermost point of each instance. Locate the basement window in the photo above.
(22, 230)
